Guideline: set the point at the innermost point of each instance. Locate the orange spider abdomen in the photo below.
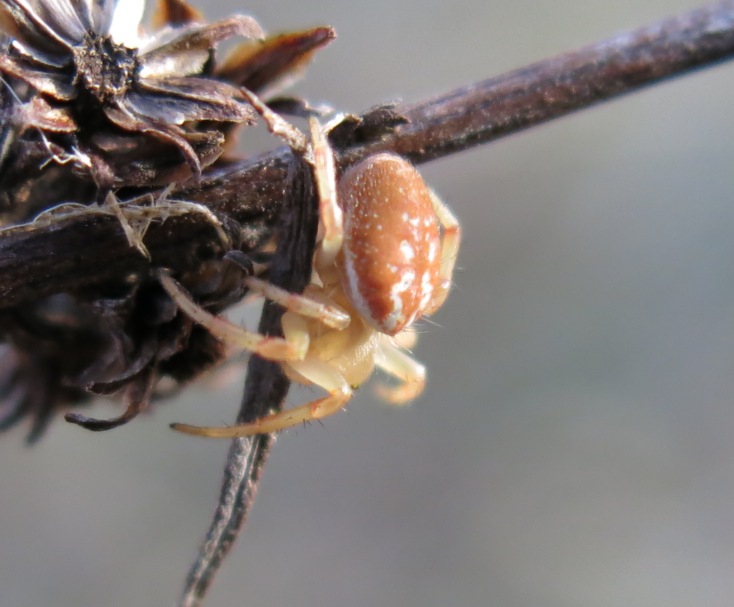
(390, 259)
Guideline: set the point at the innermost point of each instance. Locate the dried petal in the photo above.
(53, 84)
(175, 12)
(139, 160)
(41, 59)
(192, 40)
(38, 114)
(124, 117)
(193, 99)
(256, 65)
(137, 397)
(40, 23)
(181, 63)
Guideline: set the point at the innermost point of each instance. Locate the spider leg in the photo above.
(331, 215)
(272, 348)
(449, 252)
(311, 370)
(318, 153)
(391, 359)
(328, 314)
(278, 126)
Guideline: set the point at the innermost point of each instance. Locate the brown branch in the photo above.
(38, 261)
(507, 104)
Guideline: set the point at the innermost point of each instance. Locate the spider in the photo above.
(385, 257)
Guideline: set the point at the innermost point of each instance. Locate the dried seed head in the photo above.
(104, 68)
(98, 104)
(79, 55)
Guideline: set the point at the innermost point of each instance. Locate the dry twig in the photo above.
(38, 262)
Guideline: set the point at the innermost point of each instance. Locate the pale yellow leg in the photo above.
(330, 315)
(318, 153)
(409, 371)
(272, 348)
(313, 371)
(450, 243)
(330, 213)
(278, 126)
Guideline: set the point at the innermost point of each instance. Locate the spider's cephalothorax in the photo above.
(104, 69)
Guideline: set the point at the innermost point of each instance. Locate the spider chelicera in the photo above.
(385, 257)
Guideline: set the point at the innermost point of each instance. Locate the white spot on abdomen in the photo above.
(407, 250)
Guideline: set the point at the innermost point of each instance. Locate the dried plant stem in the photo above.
(485, 111)
(265, 390)
(41, 260)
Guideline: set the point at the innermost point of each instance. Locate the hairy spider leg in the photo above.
(318, 154)
(331, 231)
(450, 243)
(272, 348)
(309, 371)
(412, 374)
(327, 313)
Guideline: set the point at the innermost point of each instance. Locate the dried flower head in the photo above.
(108, 85)
(90, 105)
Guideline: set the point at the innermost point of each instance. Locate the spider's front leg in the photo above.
(272, 348)
(290, 347)
(308, 371)
(291, 350)
(317, 152)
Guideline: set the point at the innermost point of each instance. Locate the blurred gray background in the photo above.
(575, 444)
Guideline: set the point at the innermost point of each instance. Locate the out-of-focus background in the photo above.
(575, 444)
